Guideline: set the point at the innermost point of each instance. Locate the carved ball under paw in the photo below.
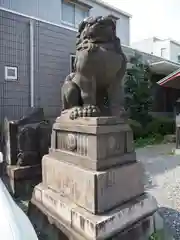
(86, 111)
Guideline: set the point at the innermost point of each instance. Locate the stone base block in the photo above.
(95, 191)
(22, 180)
(177, 151)
(49, 227)
(94, 165)
(80, 224)
(93, 143)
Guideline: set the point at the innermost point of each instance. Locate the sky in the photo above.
(159, 18)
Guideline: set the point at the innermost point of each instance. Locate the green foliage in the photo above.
(138, 102)
(153, 132)
(161, 125)
(158, 235)
(136, 128)
(148, 140)
(138, 98)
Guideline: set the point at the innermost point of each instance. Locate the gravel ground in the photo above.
(163, 182)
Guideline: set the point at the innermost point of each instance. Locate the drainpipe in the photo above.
(31, 63)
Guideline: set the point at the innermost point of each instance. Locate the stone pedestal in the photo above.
(25, 141)
(92, 186)
(21, 180)
(177, 150)
(10, 142)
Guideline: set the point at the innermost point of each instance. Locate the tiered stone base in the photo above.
(92, 186)
(96, 191)
(77, 223)
(22, 180)
(49, 227)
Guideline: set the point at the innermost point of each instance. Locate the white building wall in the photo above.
(146, 45)
(174, 51)
(165, 48)
(162, 49)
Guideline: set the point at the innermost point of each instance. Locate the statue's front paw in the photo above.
(90, 111)
(85, 111)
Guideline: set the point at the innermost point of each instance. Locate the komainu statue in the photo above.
(100, 66)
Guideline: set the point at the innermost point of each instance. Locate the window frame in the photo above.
(178, 58)
(163, 49)
(8, 77)
(75, 5)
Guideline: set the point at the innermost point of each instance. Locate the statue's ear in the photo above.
(83, 24)
(111, 19)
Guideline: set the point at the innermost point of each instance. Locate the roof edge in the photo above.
(160, 82)
(104, 4)
(164, 61)
(149, 54)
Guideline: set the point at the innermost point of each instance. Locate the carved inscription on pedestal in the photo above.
(49, 200)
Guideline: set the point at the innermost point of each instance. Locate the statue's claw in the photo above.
(85, 111)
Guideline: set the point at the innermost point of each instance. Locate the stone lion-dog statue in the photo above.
(100, 66)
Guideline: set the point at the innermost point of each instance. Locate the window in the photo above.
(178, 57)
(72, 59)
(10, 73)
(163, 52)
(72, 13)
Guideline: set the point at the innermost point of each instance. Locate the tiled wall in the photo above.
(52, 48)
(14, 52)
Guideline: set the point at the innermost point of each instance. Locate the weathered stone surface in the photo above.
(9, 142)
(93, 190)
(22, 188)
(93, 143)
(95, 121)
(21, 180)
(26, 140)
(129, 142)
(51, 227)
(89, 225)
(90, 164)
(26, 172)
(95, 125)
